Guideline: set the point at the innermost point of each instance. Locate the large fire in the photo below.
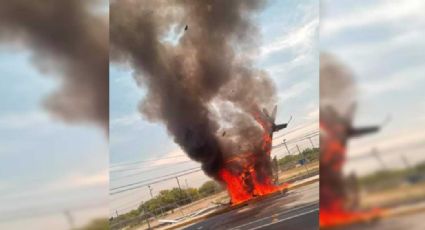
(245, 181)
(334, 208)
(342, 217)
(248, 175)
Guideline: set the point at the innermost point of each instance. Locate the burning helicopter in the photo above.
(249, 174)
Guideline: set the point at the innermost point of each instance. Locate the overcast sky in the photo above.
(289, 53)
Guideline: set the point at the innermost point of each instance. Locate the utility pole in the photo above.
(181, 192)
(298, 149)
(286, 146)
(379, 159)
(178, 183)
(311, 142)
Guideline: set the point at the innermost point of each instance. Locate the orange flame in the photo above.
(235, 187)
(243, 179)
(240, 189)
(329, 219)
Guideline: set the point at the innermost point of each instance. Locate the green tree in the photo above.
(290, 161)
(311, 154)
(169, 199)
(209, 188)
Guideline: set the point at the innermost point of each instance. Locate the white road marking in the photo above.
(267, 217)
(288, 218)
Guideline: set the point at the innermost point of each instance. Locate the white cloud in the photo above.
(284, 68)
(385, 12)
(79, 180)
(400, 81)
(71, 182)
(313, 114)
(293, 91)
(300, 37)
(172, 157)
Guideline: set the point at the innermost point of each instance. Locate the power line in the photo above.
(148, 170)
(137, 173)
(175, 173)
(315, 133)
(145, 161)
(296, 140)
(115, 198)
(184, 155)
(146, 180)
(152, 182)
(291, 131)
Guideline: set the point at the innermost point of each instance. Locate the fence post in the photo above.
(286, 146)
(311, 142)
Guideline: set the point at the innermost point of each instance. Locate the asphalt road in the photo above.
(296, 210)
(408, 222)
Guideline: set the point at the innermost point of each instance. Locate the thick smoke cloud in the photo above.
(337, 86)
(203, 87)
(67, 38)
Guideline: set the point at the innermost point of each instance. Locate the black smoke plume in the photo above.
(68, 38)
(203, 83)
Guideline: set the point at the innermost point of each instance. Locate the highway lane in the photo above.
(407, 222)
(296, 210)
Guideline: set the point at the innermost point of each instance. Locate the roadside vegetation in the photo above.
(291, 161)
(167, 201)
(385, 179)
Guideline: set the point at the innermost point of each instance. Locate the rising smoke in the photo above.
(203, 87)
(337, 86)
(68, 39)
